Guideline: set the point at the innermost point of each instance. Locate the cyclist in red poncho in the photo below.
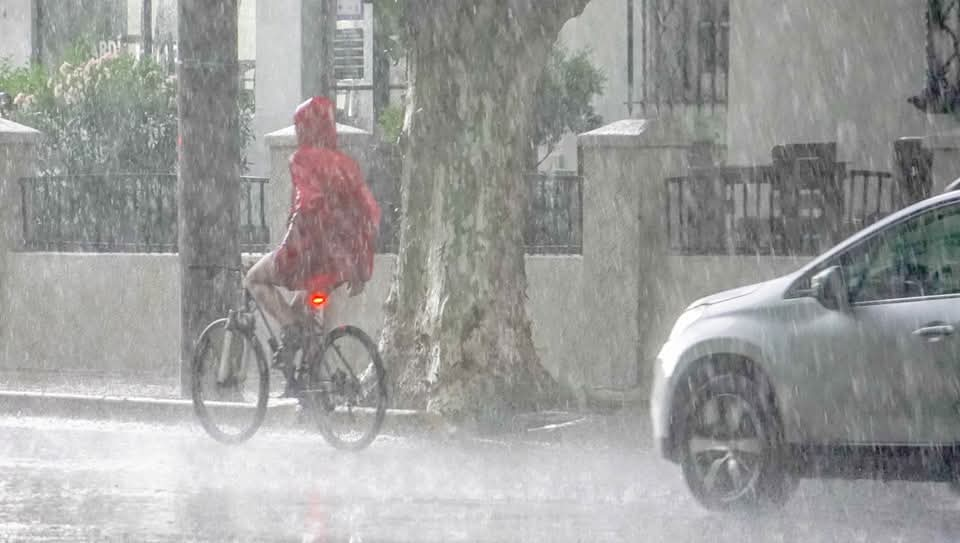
(332, 229)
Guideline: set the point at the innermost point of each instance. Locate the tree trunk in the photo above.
(457, 338)
(208, 183)
(380, 73)
(318, 20)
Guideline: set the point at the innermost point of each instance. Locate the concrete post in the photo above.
(625, 244)
(946, 159)
(18, 154)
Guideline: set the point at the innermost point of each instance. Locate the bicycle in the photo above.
(326, 385)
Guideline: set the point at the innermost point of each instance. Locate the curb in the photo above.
(280, 414)
(630, 429)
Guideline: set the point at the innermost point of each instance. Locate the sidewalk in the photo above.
(156, 399)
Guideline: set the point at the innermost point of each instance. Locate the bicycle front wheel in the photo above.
(231, 383)
(346, 390)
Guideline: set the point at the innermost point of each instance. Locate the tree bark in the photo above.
(318, 29)
(457, 338)
(208, 182)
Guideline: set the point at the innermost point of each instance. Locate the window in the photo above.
(919, 257)
(348, 53)
(684, 53)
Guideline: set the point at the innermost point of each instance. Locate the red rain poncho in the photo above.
(334, 218)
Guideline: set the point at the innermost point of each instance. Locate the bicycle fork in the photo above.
(231, 353)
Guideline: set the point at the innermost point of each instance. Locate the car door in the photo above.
(904, 314)
(931, 364)
(885, 370)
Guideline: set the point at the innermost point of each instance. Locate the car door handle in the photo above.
(934, 332)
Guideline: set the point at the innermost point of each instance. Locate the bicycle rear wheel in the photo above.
(346, 389)
(231, 383)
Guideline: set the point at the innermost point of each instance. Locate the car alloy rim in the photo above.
(726, 446)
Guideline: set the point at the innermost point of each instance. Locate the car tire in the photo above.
(731, 446)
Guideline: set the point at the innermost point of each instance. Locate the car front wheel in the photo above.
(731, 446)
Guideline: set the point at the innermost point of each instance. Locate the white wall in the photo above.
(278, 73)
(120, 313)
(826, 70)
(106, 312)
(16, 27)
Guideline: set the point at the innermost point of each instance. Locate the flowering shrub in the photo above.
(110, 114)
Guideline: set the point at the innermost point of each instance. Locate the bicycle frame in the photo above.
(237, 321)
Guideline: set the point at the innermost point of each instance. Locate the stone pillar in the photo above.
(18, 153)
(946, 159)
(624, 166)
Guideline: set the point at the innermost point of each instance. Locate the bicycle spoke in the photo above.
(347, 416)
(230, 383)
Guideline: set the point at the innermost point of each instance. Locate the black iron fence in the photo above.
(555, 217)
(771, 210)
(120, 213)
(138, 213)
(384, 183)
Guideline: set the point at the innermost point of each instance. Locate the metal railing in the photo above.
(869, 196)
(555, 216)
(760, 209)
(121, 213)
(554, 221)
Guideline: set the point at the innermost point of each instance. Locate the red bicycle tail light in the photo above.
(317, 299)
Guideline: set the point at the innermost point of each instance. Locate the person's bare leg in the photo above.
(261, 281)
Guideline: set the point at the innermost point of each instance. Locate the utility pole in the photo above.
(208, 180)
(318, 23)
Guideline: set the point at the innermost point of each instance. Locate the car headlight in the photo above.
(686, 319)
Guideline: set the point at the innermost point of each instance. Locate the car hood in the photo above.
(732, 294)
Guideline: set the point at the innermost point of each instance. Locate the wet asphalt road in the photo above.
(80, 481)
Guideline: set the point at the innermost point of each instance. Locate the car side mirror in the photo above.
(830, 289)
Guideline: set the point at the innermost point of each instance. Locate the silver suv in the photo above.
(849, 367)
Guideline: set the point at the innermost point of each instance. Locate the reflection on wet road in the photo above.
(70, 480)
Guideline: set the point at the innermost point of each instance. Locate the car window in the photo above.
(919, 257)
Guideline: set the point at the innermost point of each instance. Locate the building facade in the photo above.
(751, 74)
